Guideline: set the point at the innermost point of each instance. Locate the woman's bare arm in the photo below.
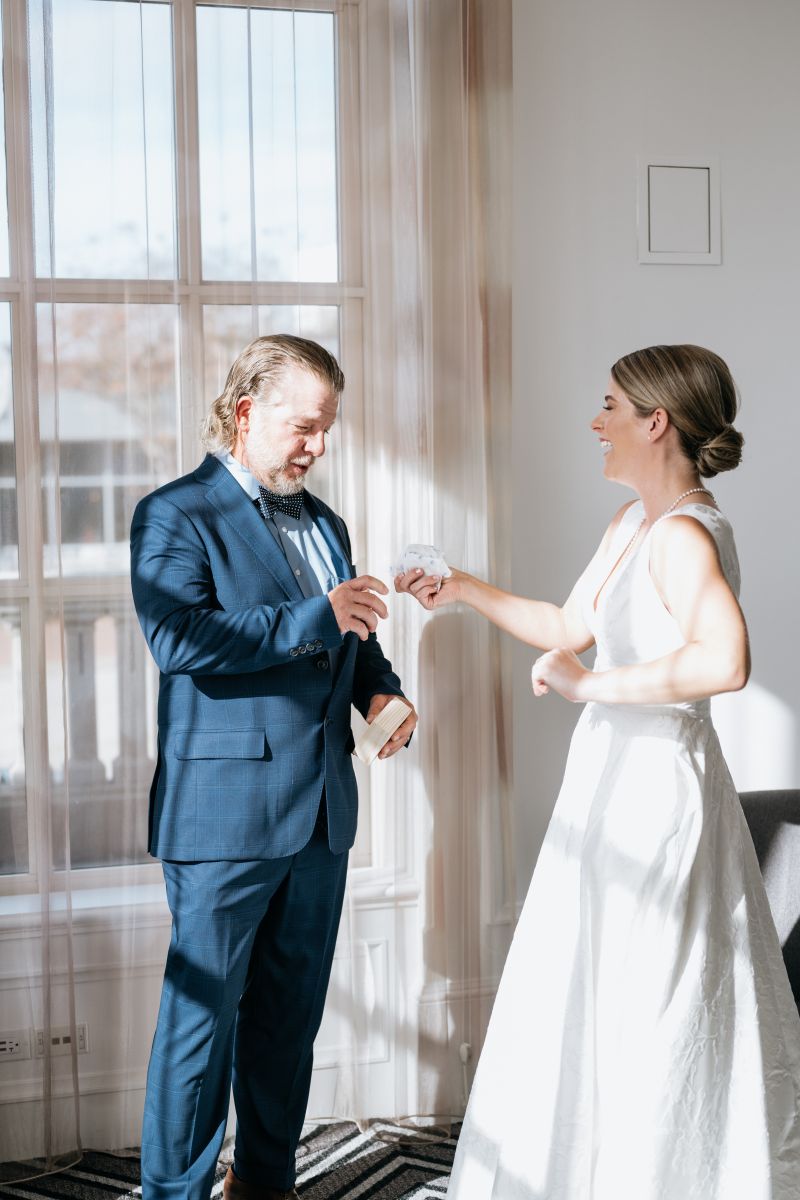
(715, 657)
(534, 622)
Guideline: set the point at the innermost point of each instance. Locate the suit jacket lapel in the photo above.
(232, 502)
(235, 506)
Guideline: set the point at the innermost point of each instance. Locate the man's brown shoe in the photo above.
(234, 1188)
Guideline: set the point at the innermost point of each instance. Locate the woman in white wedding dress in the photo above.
(644, 1043)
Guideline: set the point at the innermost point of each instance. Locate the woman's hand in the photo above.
(562, 671)
(432, 591)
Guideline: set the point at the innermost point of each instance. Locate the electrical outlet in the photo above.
(61, 1040)
(15, 1044)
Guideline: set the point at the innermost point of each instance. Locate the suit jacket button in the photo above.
(293, 652)
(322, 664)
(310, 646)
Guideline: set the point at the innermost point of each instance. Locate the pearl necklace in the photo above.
(683, 495)
(666, 512)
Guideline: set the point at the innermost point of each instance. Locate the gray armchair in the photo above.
(774, 821)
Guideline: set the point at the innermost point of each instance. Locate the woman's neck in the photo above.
(659, 495)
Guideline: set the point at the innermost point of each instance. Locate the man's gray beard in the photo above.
(286, 487)
(269, 475)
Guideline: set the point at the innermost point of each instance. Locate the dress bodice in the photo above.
(630, 622)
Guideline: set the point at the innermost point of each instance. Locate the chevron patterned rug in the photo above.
(334, 1162)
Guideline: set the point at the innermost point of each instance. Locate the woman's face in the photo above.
(623, 435)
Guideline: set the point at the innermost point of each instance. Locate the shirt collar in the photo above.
(240, 473)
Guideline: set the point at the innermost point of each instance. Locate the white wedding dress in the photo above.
(644, 1043)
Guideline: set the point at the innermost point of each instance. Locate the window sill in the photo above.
(122, 905)
(109, 906)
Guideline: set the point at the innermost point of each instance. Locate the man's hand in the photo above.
(400, 737)
(356, 606)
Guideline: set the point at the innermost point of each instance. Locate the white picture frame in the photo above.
(678, 213)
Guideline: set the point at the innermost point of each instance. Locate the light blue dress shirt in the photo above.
(317, 566)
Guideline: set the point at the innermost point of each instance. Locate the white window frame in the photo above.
(190, 292)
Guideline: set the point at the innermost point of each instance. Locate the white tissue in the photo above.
(427, 557)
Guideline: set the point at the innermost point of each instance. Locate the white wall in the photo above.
(595, 85)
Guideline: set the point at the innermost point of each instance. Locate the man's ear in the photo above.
(243, 407)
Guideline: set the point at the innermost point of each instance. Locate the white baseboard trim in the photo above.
(113, 1082)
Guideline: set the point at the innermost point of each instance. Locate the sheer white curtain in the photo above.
(91, 421)
(436, 85)
(179, 177)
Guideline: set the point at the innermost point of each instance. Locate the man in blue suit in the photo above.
(264, 637)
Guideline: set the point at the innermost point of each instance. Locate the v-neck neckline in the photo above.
(627, 555)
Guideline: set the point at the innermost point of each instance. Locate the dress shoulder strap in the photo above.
(721, 530)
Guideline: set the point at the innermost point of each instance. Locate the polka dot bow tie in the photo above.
(270, 503)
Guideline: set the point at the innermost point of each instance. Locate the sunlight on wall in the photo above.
(759, 738)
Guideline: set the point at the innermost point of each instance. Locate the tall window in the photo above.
(169, 188)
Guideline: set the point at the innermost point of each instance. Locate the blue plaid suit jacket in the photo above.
(251, 724)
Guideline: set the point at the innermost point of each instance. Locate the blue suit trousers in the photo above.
(244, 988)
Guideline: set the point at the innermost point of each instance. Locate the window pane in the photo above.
(110, 695)
(111, 429)
(13, 815)
(269, 75)
(112, 125)
(227, 328)
(9, 540)
(4, 267)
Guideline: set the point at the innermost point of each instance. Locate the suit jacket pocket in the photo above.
(221, 743)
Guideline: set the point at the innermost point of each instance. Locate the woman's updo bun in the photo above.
(720, 453)
(695, 388)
